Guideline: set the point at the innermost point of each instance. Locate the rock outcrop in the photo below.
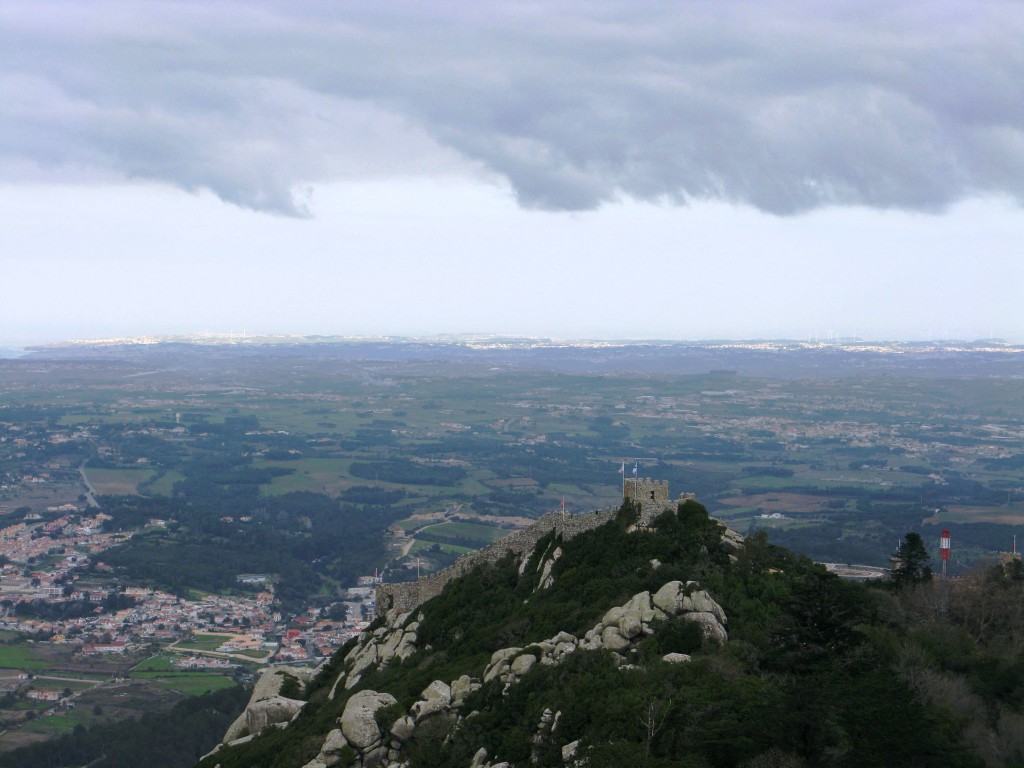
(267, 707)
(396, 639)
(372, 731)
(619, 630)
(441, 703)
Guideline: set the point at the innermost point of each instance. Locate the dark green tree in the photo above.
(910, 563)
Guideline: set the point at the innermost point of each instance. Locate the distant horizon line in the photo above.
(217, 337)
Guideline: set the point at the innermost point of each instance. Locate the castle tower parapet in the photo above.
(651, 495)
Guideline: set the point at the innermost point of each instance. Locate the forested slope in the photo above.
(575, 655)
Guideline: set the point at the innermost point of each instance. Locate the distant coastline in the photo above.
(9, 353)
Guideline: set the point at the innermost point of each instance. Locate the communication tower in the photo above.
(944, 558)
(944, 551)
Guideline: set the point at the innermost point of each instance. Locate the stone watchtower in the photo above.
(651, 495)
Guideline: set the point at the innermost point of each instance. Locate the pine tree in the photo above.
(910, 563)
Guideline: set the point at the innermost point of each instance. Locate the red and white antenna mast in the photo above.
(944, 551)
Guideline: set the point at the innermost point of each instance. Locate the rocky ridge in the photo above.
(373, 732)
(361, 740)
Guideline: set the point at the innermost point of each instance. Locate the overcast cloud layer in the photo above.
(785, 106)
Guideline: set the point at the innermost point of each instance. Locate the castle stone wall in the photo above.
(652, 495)
(407, 596)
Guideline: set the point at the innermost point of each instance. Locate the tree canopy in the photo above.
(910, 562)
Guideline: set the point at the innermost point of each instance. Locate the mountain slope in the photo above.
(628, 645)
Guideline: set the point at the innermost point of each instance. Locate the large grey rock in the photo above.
(330, 752)
(676, 658)
(335, 741)
(272, 711)
(563, 649)
(357, 648)
(403, 729)
(366, 658)
(387, 651)
(630, 625)
(592, 638)
(407, 646)
(395, 618)
(500, 662)
(375, 757)
(523, 664)
(436, 697)
(461, 688)
(339, 680)
(358, 723)
(546, 579)
(641, 601)
(267, 687)
(569, 750)
(503, 655)
(438, 690)
(670, 598)
(709, 624)
(702, 602)
(437, 727)
(497, 670)
(732, 541)
(612, 616)
(613, 640)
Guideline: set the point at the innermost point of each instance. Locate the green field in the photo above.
(159, 671)
(423, 546)
(61, 724)
(472, 486)
(484, 534)
(314, 475)
(117, 482)
(159, 663)
(194, 683)
(20, 656)
(412, 525)
(204, 643)
(164, 485)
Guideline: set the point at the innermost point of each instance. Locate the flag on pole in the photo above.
(635, 465)
(623, 470)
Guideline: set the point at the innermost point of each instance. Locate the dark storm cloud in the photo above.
(785, 106)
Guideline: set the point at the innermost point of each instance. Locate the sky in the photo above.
(607, 169)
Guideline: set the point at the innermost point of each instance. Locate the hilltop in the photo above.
(658, 640)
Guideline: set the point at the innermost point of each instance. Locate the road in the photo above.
(90, 493)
